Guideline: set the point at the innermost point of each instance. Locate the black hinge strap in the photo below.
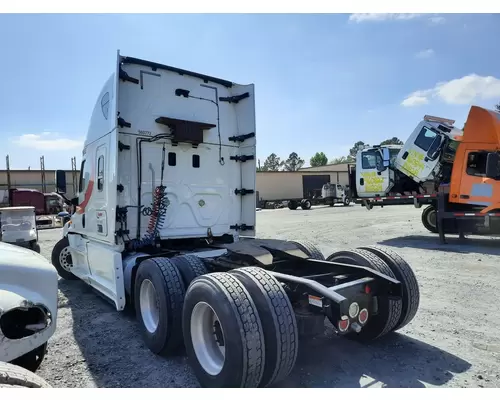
(122, 123)
(242, 227)
(243, 191)
(125, 77)
(241, 138)
(120, 187)
(235, 99)
(242, 158)
(122, 146)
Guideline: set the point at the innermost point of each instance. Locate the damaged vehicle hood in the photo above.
(27, 279)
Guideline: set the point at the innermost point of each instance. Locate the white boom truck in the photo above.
(165, 222)
(411, 173)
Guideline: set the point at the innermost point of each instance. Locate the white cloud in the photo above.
(381, 17)
(437, 20)
(465, 90)
(374, 17)
(47, 141)
(427, 53)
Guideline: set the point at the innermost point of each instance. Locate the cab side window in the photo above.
(369, 159)
(476, 163)
(100, 173)
(425, 138)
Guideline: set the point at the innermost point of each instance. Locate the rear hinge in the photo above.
(120, 187)
(242, 158)
(235, 99)
(122, 146)
(242, 227)
(122, 123)
(241, 138)
(125, 77)
(243, 191)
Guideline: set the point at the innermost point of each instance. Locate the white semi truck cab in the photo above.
(411, 168)
(165, 222)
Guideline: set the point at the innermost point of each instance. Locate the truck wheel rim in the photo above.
(65, 259)
(208, 338)
(148, 301)
(431, 218)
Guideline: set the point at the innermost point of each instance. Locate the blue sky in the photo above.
(322, 81)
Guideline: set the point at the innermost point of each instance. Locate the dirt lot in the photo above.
(452, 342)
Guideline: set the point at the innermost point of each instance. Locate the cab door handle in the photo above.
(464, 196)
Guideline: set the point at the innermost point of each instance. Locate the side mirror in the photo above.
(386, 157)
(492, 164)
(60, 181)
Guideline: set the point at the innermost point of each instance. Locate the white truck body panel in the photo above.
(27, 279)
(200, 186)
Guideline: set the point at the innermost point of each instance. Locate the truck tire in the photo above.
(292, 205)
(190, 267)
(309, 248)
(347, 201)
(36, 247)
(223, 332)
(159, 297)
(404, 274)
(306, 204)
(13, 376)
(389, 310)
(429, 219)
(61, 259)
(278, 322)
(33, 359)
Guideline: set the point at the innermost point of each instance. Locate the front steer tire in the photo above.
(62, 247)
(159, 296)
(223, 332)
(278, 322)
(13, 376)
(389, 310)
(429, 219)
(403, 273)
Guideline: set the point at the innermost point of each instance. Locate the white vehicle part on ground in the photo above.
(209, 186)
(27, 280)
(18, 225)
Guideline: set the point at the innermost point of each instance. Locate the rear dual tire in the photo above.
(253, 319)
(393, 314)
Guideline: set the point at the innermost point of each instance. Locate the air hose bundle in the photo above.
(156, 213)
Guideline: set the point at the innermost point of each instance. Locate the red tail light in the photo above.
(363, 316)
(343, 324)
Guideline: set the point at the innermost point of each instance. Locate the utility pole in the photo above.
(42, 171)
(8, 172)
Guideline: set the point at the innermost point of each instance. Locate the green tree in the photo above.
(497, 107)
(260, 168)
(354, 150)
(394, 140)
(318, 160)
(340, 160)
(272, 163)
(293, 163)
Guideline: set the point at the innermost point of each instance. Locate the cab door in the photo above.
(475, 188)
(415, 159)
(371, 181)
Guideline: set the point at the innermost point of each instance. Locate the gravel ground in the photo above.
(452, 342)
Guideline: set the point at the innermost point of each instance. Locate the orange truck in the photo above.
(468, 200)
